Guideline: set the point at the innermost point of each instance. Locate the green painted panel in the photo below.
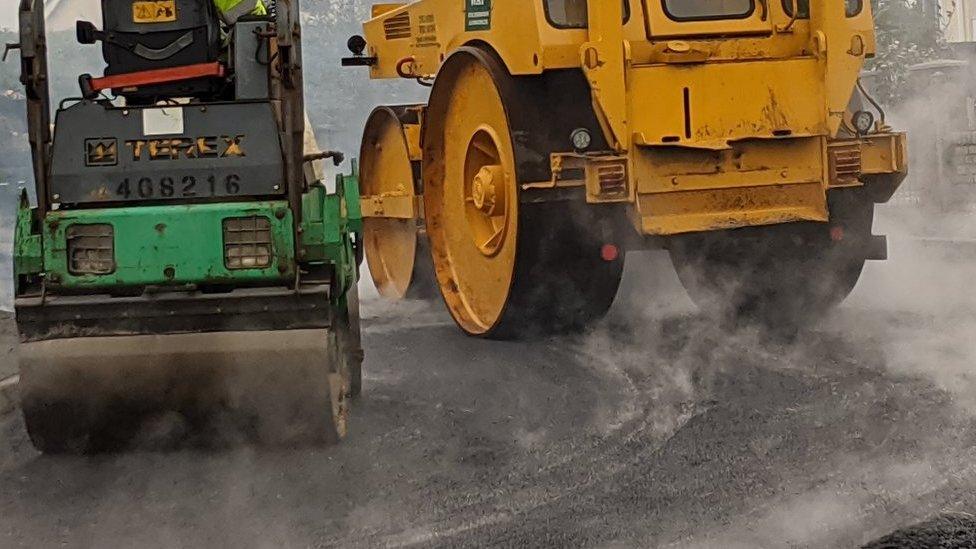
(28, 255)
(354, 213)
(170, 244)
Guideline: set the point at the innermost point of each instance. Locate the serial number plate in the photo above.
(147, 188)
(159, 11)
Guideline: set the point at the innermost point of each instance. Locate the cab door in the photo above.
(689, 18)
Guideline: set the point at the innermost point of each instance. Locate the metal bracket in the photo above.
(336, 156)
(359, 61)
(8, 47)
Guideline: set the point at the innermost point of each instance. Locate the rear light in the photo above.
(609, 253)
(91, 249)
(247, 243)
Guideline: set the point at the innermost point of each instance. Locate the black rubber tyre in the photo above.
(539, 269)
(783, 276)
(561, 283)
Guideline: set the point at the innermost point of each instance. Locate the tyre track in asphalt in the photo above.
(748, 483)
(641, 425)
(669, 432)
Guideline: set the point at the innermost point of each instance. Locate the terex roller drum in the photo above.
(183, 256)
(561, 134)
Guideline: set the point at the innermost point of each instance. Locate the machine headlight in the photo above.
(581, 138)
(247, 242)
(91, 249)
(863, 122)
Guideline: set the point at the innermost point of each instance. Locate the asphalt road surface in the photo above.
(656, 429)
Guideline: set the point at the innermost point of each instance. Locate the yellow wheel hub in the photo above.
(485, 193)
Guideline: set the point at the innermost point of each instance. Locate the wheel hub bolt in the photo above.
(485, 189)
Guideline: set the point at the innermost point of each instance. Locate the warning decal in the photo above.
(477, 15)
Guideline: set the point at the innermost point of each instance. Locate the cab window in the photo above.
(704, 10)
(571, 14)
(851, 7)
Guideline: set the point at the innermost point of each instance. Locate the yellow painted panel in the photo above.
(841, 44)
(717, 209)
(727, 101)
(604, 65)
(747, 163)
(887, 153)
(380, 9)
(756, 182)
(438, 27)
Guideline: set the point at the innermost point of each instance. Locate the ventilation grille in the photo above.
(91, 249)
(247, 243)
(397, 26)
(612, 179)
(845, 164)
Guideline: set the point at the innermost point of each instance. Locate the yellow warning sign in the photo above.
(159, 11)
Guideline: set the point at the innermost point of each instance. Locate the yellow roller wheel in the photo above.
(395, 247)
(506, 268)
(472, 211)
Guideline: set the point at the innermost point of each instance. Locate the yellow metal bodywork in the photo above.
(717, 123)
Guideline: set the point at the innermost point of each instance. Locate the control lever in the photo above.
(87, 33)
(336, 156)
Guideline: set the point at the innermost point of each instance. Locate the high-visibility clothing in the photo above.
(232, 10)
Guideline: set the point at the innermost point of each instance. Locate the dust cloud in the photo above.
(911, 319)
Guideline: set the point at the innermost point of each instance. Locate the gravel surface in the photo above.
(656, 429)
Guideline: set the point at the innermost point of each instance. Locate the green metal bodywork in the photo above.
(169, 244)
(28, 251)
(183, 244)
(327, 222)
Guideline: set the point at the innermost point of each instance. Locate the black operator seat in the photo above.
(156, 49)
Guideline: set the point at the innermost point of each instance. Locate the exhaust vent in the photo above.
(397, 27)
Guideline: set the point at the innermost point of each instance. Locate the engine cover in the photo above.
(104, 154)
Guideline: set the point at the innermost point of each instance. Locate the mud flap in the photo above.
(877, 248)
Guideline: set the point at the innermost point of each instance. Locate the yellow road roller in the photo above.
(560, 134)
